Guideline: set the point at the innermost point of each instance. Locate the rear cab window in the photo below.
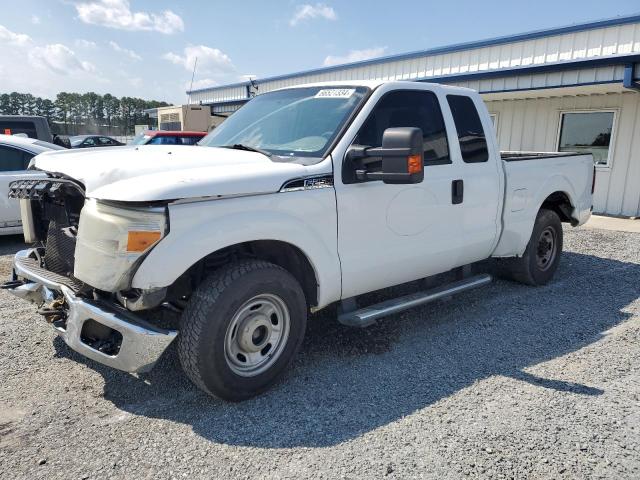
(473, 142)
(13, 127)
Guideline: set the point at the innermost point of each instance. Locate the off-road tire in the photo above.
(204, 322)
(526, 269)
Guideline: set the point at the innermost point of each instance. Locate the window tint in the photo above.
(473, 143)
(105, 141)
(588, 132)
(190, 140)
(409, 108)
(89, 142)
(163, 140)
(12, 159)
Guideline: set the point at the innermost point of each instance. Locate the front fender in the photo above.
(305, 219)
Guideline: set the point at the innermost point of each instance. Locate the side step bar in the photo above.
(368, 315)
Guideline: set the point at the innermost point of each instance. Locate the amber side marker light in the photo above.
(141, 241)
(414, 164)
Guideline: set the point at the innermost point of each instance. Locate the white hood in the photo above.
(159, 172)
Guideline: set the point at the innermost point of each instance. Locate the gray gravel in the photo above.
(504, 382)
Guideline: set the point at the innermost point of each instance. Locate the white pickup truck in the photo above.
(305, 197)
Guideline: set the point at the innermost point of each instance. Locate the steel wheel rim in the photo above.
(257, 335)
(546, 248)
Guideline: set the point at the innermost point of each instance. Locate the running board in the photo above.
(368, 315)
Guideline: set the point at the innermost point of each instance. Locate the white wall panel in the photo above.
(612, 40)
(532, 124)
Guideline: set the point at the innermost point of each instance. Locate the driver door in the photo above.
(391, 234)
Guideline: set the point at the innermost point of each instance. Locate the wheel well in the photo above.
(283, 254)
(559, 202)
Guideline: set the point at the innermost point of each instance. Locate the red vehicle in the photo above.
(167, 137)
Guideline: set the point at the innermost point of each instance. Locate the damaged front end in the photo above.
(89, 318)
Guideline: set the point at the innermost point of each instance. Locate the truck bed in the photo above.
(515, 156)
(527, 185)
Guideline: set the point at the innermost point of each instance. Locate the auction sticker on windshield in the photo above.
(336, 93)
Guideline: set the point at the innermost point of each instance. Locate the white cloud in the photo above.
(117, 14)
(12, 38)
(125, 51)
(136, 82)
(211, 61)
(59, 59)
(307, 12)
(82, 43)
(354, 56)
(35, 20)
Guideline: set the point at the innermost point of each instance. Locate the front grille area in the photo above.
(55, 205)
(33, 266)
(60, 247)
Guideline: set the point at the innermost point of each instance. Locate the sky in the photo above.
(147, 48)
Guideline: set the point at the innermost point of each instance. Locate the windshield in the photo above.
(75, 141)
(295, 122)
(48, 146)
(140, 139)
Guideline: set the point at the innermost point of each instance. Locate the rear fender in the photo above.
(520, 213)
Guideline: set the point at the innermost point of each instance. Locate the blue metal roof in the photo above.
(628, 61)
(446, 49)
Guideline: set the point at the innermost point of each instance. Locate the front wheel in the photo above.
(241, 329)
(540, 260)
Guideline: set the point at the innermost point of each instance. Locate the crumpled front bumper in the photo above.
(142, 344)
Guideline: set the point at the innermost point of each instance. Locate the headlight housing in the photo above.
(112, 238)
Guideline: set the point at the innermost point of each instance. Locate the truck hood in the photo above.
(158, 172)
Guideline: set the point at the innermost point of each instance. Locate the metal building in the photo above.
(569, 88)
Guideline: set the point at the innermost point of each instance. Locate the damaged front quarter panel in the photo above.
(105, 257)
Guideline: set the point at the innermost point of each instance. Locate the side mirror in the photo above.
(402, 154)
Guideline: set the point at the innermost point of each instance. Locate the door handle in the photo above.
(457, 191)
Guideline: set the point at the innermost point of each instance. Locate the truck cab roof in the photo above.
(394, 84)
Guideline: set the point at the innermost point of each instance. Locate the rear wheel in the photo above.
(540, 260)
(241, 329)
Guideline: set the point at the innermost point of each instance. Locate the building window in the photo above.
(587, 132)
(494, 120)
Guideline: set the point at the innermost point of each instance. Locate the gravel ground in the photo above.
(506, 381)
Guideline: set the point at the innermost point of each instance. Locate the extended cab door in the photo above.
(480, 182)
(391, 234)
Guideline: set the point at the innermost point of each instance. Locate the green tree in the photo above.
(111, 106)
(72, 113)
(4, 104)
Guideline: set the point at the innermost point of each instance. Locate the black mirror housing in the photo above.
(401, 153)
(405, 166)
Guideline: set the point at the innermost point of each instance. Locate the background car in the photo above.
(167, 137)
(30, 125)
(15, 154)
(90, 141)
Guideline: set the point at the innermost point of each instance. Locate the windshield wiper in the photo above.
(247, 148)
